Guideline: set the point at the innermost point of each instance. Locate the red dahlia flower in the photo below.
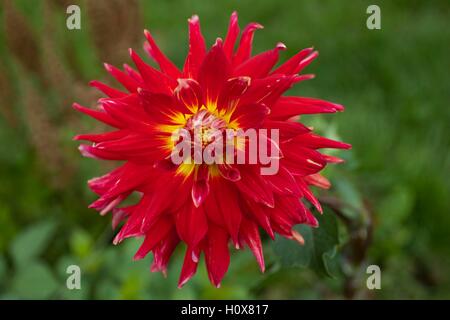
(207, 206)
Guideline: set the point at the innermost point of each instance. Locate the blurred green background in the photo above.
(389, 202)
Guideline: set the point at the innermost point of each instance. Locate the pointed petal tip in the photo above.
(194, 19)
(108, 67)
(137, 257)
(258, 25)
(298, 237)
(339, 107)
(281, 46)
(219, 42)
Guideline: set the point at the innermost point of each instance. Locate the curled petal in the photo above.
(189, 93)
(260, 65)
(232, 91)
(291, 66)
(245, 45)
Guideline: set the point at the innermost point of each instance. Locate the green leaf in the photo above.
(31, 242)
(34, 281)
(319, 251)
(292, 254)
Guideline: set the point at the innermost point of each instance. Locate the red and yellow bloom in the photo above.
(207, 206)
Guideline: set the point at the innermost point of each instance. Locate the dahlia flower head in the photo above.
(207, 206)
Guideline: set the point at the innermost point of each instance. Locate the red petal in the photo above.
(165, 64)
(318, 181)
(283, 182)
(133, 74)
(245, 45)
(267, 90)
(113, 135)
(228, 172)
(232, 34)
(197, 49)
(98, 115)
(291, 66)
(250, 116)
(228, 203)
(128, 82)
(287, 129)
(259, 213)
(159, 230)
(189, 93)
(129, 116)
(232, 91)
(252, 184)
(200, 188)
(287, 107)
(314, 141)
(163, 251)
(259, 65)
(156, 81)
(214, 72)
(217, 256)
(332, 159)
(309, 195)
(110, 92)
(302, 161)
(250, 235)
(191, 225)
(189, 266)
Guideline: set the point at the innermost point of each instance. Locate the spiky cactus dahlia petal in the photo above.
(206, 206)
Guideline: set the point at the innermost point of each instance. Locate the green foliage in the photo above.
(33, 281)
(319, 249)
(32, 242)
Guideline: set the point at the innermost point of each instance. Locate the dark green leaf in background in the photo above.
(34, 281)
(318, 252)
(32, 241)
